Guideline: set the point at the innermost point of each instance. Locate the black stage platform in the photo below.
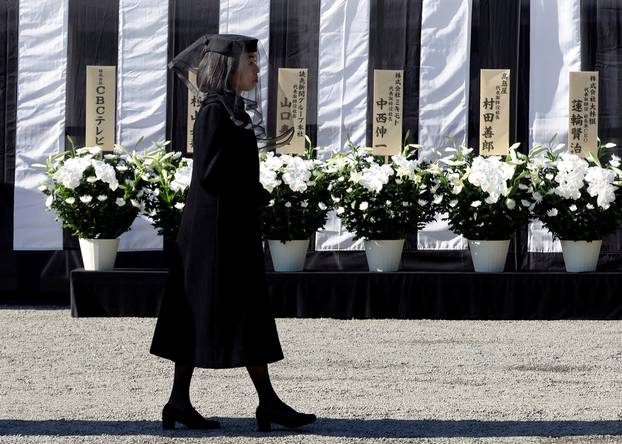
(362, 295)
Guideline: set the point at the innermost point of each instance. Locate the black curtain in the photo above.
(188, 20)
(8, 115)
(92, 39)
(294, 43)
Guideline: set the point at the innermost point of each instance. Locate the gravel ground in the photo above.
(93, 380)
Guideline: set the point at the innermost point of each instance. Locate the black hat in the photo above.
(230, 44)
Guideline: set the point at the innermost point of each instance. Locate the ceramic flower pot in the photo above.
(99, 254)
(489, 255)
(384, 255)
(288, 256)
(580, 256)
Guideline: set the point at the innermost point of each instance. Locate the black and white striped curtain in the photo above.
(441, 45)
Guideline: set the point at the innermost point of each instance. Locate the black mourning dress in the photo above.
(215, 312)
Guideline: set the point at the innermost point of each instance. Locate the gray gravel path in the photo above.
(93, 380)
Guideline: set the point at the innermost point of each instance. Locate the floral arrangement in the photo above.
(576, 198)
(164, 179)
(383, 201)
(488, 198)
(299, 200)
(92, 192)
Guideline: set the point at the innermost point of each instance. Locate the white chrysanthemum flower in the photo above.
(48, 201)
(492, 176)
(86, 199)
(615, 161)
(297, 174)
(106, 174)
(341, 210)
(268, 177)
(120, 201)
(70, 200)
(589, 206)
(180, 205)
(71, 172)
(571, 171)
(572, 207)
(363, 206)
(355, 177)
(288, 204)
(510, 203)
(273, 162)
(438, 198)
(388, 203)
(405, 204)
(375, 177)
(453, 203)
(525, 203)
(322, 206)
(181, 179)
(335, 198)
(102, 197)
(549, 176)
(304, 204)
(422, 203)
(600, 185)
(552, 212)
(537, 197)
(476, 203)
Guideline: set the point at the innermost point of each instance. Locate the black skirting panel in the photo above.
(364, 295)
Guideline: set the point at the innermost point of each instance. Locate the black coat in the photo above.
(215, 312)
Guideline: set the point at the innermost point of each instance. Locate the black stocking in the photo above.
(261, 380)
(180, 394)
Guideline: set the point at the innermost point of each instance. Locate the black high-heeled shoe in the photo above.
(190, 418)
(283, 415)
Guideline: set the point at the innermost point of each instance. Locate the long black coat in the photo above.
(215, 312)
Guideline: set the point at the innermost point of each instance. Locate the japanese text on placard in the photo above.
(387, 111)
(494, 111)
(583, 113)
(292, 108)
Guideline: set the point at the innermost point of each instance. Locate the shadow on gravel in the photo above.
(355, 428)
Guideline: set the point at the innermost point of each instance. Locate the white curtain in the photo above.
(42, 62)
(443, 94)
(141, 93)
(342, 93)
(555, 50)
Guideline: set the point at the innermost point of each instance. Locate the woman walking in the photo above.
(215, 313)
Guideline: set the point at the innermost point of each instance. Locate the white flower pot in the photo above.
(384, 255)
(99, 254)
(581, 255)
(489, 256)
(289, 256)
